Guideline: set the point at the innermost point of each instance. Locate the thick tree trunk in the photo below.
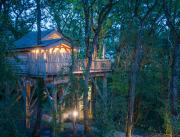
(174, 86)
(85, 97)
(90, 48)
(38, 22)
(37, 127)
(129, 131)
(174, 80)
(89, 62)
(132, 83)
(39, 90)
(93, 99)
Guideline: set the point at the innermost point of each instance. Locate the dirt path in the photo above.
(47, 132)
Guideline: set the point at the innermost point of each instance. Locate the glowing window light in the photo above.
(33, 51)
(42, 51)
(50, 50)
(56, 50)
(54, 36)
(45, 57)
(62, 50)
(37, 51)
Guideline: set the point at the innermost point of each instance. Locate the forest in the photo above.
(89, 68)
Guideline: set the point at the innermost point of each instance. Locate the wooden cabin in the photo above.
(47, 60)
(52, 56)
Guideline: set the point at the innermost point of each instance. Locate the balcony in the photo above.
(41, 67)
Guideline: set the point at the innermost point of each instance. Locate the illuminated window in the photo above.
(54, 36)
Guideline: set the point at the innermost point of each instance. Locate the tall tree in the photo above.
(137, 58)
(40, 81)
(172, 20)
(89, 25)
(91, 48)
(39, 92)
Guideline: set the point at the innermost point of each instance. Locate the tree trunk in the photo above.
(85, 98)
(37, 127)
(174, 80)
(132, 82)
(39, 90)
(89, 62)
(174, 84)
(93, 100)
(91, 48)
(40, 82)
(38, 22)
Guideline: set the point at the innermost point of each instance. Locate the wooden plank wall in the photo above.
(48, 64)
(19, 63)
(58, 63)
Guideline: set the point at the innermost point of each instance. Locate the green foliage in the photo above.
(10, 109)
(11, 119)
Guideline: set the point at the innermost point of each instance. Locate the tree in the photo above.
(40, 81)
(170, 12)
(91, 49)
(89, 26)
(137, 58)
(11, 113)
(39, 92)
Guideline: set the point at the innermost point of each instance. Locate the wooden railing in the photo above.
(97, 65)
(42, 67)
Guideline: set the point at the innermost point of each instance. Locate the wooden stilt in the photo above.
(55, 110)
(105, 86)
(93, 99)
(28, 113)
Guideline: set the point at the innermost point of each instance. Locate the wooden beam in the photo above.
(28, 113)
(105, 86)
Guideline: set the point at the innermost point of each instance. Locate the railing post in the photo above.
(104, 52)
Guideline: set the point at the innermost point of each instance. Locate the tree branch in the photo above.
(169, 19)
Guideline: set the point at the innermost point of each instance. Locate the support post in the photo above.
(55, 100)
(28, 113)
(93, 99)
(104, 52)
(105, 85)
(56, 116)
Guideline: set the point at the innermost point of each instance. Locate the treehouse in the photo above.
(52, 56)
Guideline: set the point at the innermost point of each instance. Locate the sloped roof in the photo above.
(30, 40)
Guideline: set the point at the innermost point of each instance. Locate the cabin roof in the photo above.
(30, 40)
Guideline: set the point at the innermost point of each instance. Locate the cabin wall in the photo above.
(45, 63)
(18, 62)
